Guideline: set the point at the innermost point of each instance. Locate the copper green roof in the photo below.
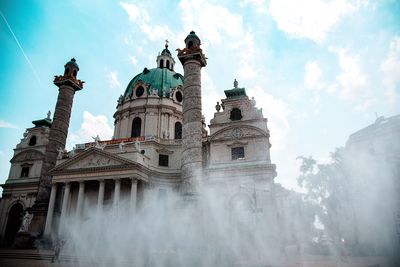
(44, 122)
(166, 51)
(158, 78)
(192, 34)
(235, 93)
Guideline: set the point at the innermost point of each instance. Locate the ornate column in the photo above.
(68, 84)
(133, 195)
(100, 197)
(81, 195)
(49, 218)
(192, 59)
(117, 190)
(67, 188)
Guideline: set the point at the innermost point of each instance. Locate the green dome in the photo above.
(166, 51)
(158, 78)
(192, 34)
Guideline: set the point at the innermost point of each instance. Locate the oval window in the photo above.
(179, 96)
(139, 91)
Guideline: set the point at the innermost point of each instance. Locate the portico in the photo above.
(78, 194)
(94, 181)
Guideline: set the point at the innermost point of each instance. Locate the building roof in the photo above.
(235, 93)
(43, 122)
(380, 127)
(157, 78)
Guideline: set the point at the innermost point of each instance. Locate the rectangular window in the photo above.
(237, 153)
(25, 172)
(163, 160)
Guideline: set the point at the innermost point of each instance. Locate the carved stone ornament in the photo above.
(237, 133)
(94, 160)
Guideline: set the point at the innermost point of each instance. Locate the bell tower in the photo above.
(192, 59)
(68, 84)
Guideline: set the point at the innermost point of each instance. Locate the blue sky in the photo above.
(320, 70)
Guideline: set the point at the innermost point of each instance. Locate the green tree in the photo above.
(327, 187)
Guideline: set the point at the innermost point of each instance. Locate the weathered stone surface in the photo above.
(192, 126)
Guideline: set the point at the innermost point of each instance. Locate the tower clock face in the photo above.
(237, 133)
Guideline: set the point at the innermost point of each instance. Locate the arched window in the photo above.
(32, 141)
(236, 114)
(161, 63)
(178, 130)
(190, 44)
(136, 127)
(167, 64)
(74, 74)
(25, 171)
(66, 72)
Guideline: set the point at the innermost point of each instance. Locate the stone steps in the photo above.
(44, 255)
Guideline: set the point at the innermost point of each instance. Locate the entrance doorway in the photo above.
(13, 224)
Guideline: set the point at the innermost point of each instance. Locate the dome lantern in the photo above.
(165, 59)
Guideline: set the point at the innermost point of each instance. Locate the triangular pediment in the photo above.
(93, 158)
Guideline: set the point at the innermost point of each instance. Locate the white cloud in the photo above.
(210, 96)
(352, 81)
(91, 126)
(259, 5)
(6, 124)
(231, 35)
(134, 12)
(312, 75)
(138, 14)
(277, 111)
(312, 19)
(391, 70)
(133, 60)
(206, 18)
(113, 79)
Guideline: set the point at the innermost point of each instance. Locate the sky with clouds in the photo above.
(320, 70)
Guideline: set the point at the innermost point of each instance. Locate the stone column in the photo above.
(49, 218)
(68, 84)
(100, 197)
(133, 195)
(67, 188)
(192, 59)
(81, 195)
(117, 190)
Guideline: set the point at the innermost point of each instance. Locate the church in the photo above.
(160, 147)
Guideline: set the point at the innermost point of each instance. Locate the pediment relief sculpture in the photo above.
(94, 160)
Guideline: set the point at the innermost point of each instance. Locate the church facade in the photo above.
(160, 148)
